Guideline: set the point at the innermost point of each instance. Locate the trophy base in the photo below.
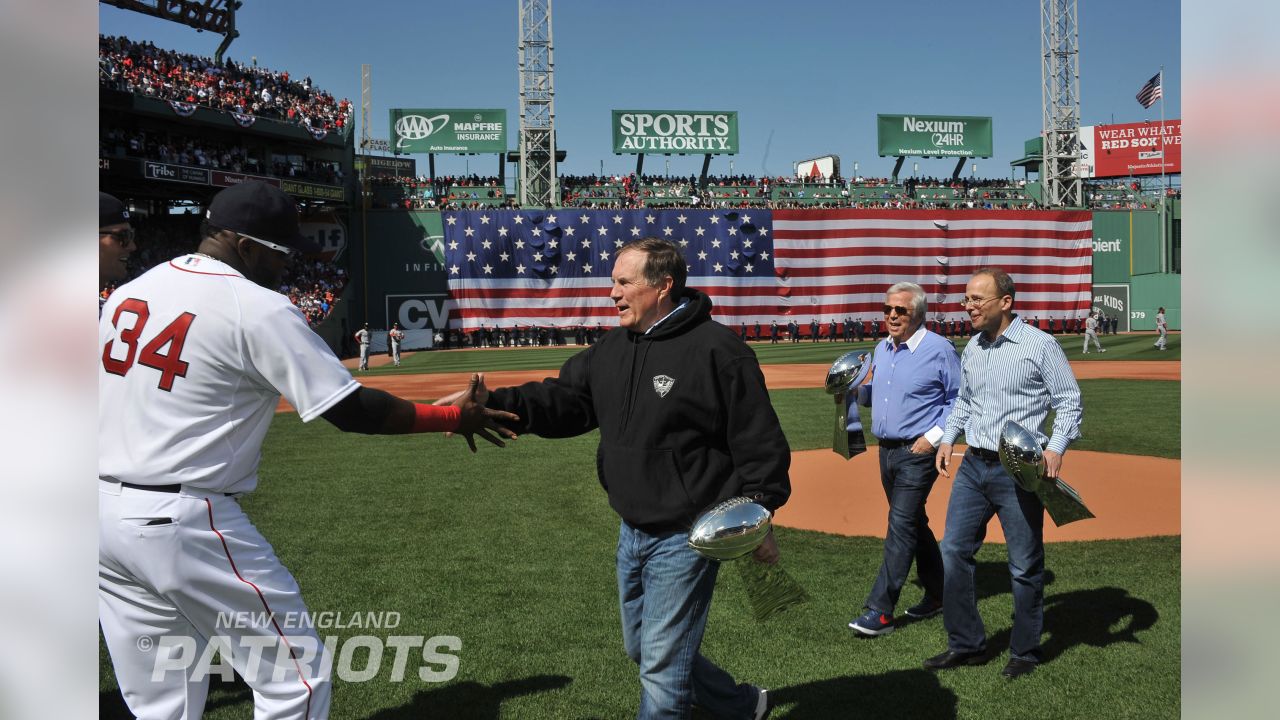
(770, 588)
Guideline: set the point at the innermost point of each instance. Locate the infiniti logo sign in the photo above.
(416, 127)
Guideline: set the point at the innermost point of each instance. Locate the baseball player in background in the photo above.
(195, 355)
(1091, 333)
(115, 243)
(362, 337)
(394, 337)
(1162, 328)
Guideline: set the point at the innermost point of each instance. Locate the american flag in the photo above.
(1152, 91)
(511, 268)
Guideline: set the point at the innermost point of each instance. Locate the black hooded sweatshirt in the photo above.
(684, 417)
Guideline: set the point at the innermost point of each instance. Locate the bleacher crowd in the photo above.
(144, 69)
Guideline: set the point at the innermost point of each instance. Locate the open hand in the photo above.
(476, 418)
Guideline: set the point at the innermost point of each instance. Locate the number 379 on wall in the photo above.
(1137, 315)
(174, 335)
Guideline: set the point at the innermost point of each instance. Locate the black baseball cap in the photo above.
(261, 211)
(111, 211)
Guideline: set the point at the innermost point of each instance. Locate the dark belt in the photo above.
(895, 444)
(160, 488)
(990, 456)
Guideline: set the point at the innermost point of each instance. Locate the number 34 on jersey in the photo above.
(162, 352)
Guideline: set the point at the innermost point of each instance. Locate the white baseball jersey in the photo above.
(362, 336)
(1160, 323)
(194, 358)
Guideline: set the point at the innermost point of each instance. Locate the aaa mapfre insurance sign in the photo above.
(1109, 151)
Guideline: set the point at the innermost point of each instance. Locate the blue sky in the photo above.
(807, 79)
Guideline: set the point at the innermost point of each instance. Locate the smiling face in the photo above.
(988, 310)
(901, 320)
(639, 304)
(115, 245)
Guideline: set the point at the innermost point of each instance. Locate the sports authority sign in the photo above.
(453, 131)
(1109, 151)
(933, 135)
(644, 132)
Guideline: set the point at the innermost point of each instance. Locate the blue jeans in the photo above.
(664, 590)
(907, 479)
(981, 489)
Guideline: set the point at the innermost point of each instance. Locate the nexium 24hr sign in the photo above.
(934, 135)
(419, 130)
(675, 131)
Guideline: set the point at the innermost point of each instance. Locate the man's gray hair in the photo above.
(917, 297)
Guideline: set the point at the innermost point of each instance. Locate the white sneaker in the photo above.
(1103, 350)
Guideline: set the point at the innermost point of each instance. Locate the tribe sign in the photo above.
(448, 131)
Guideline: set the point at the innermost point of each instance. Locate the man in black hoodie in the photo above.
(685, 422)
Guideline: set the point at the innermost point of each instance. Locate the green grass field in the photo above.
(512, 551)
(1119, 347)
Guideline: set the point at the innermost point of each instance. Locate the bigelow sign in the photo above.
(700, 132)
(934, 135)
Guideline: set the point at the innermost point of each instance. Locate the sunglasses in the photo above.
(288, 251)
(890, 309)
(125, 236)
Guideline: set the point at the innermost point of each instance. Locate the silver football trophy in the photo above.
(846, 374)
(731, 530)
(1023, 459)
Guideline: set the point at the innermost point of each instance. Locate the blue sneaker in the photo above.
(873, 623)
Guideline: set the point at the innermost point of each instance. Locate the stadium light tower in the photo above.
(1060, 95)
(537, 106)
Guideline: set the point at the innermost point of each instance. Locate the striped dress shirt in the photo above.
(1019, 376)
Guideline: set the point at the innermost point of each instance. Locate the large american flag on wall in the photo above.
(511, 268)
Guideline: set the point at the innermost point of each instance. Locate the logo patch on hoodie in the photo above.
(662, 384)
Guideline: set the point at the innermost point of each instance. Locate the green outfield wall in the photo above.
(1131, 271)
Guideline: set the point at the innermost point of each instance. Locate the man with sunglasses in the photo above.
(914, 381)
(115, 243)
(1012, 372)
(195, 355)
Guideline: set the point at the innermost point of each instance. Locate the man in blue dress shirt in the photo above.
(1012, 371)
(914, 381)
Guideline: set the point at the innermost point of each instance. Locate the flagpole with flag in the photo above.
(1154, 90)
(1164, 190)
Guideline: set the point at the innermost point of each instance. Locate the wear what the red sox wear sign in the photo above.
(1109, 151)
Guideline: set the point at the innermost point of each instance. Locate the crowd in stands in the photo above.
(196, 151)
(313, 285)
(447, 192)
(144, 69)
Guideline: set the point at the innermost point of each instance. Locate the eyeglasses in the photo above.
(288, 251)
(968, 302)
(890, 309)
(125, 236)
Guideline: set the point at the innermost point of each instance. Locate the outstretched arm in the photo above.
(374, 412)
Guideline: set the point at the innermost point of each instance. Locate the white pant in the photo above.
(395, 353)
(1164, 335)
(364, 356)
(1091, 335)
(201, 575)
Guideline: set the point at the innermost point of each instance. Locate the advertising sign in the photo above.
(1109, 151)
(683, 132)
(378, 166)
(448, 131)
(940, 136)
(1113, 301)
